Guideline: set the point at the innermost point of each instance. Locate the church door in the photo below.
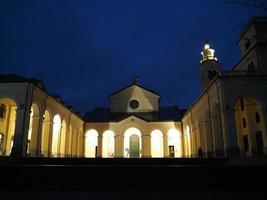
(134, 146)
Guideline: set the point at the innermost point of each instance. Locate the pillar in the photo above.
(74, 143)
(230, 132)
(193, 142)
(99, 146)
(67, 142)
(146, 146)
(264, 131)
(70, 143)
(251, 133)
(50, 137)
(119, 146)
(39, 134)
(80, 144)
(165, 145)
(21, 132)
(35, 134)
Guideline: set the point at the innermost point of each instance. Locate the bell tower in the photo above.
(209, 65)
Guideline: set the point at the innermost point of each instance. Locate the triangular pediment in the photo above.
(145, 100)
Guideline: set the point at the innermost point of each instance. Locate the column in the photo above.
(193, 142)
(81, 144)
(67, 142)
(251, 132)
(74, 143)
(264, 131)
(230, 132)
(99, 146)
(34, 135)
(165, 145)
(119, 146)
(21, 132)
(39, 135)
(78, 143)
(50, 138)
(146, 146)
(70, 143)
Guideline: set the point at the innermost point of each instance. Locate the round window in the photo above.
(134, 104)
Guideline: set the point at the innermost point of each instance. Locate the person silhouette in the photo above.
(200, 152)
(128, 151)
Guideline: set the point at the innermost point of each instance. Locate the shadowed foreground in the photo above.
(71, 178)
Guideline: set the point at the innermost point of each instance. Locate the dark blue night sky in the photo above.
(85, 50)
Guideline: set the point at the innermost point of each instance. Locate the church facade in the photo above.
(228, 119)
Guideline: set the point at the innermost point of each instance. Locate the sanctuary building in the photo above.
(228, 119)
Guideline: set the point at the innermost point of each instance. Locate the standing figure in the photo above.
(200, 152)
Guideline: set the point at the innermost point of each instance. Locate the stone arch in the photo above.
(108, 146)
(69, 150)
(157, 144)
(132, 145)
(46, 129)
(8, 107)
(174, 143)
(63, 139)
(217, 130)
(250, 126)
(56, 135)
(91, 143)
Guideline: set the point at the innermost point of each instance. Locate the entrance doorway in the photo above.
(134, 146)
(132, 143)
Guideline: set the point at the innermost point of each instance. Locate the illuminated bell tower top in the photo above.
(207, 53)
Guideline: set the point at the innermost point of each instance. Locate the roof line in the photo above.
(131, 86)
